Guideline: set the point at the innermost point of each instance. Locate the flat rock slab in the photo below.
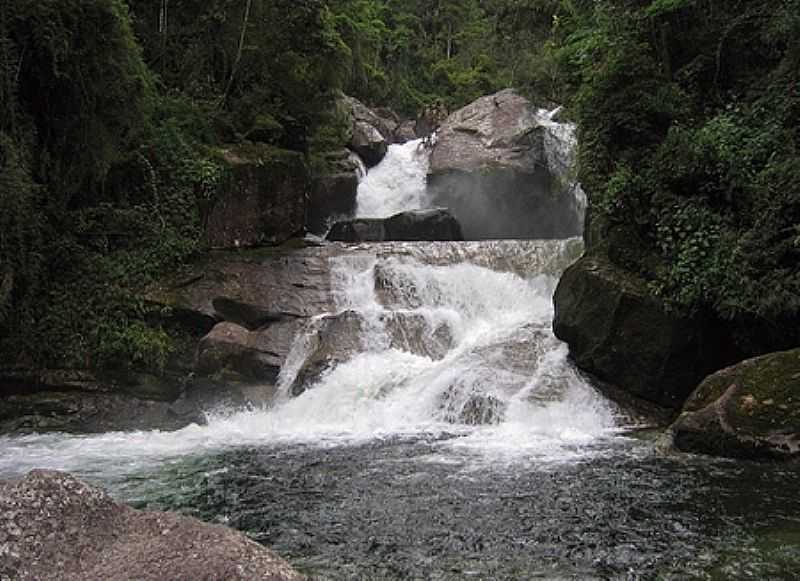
(436, 224)
(55, 527)
(251, 288)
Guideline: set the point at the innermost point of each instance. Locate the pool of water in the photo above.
(422, 507)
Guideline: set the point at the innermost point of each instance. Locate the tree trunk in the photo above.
(242, 36)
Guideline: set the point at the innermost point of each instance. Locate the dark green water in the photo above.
(417, 508)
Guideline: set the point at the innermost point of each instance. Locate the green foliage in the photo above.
(82, 83)
(689, 117)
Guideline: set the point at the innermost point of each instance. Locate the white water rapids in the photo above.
(453, 338)
(397, 184)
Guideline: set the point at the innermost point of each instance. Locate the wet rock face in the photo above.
(262, 199)
(55, 527)
(414, 225)
(618, 331)
(337, 338)
(748, 410)
(333, 194)
(490, 165)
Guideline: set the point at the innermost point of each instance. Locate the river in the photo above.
(451, 439)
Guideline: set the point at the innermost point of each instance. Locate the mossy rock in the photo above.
(749, 410)
(265, 130)
(619, 332)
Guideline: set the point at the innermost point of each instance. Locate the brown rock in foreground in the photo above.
(53, 526)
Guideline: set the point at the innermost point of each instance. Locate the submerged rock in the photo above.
(748, 410)
(55, 527)
(491, 165)
(618, 331)
(262, 198)
(413, 225)
(473, 409)
(337, 338)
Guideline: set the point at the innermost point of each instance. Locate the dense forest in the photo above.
(113, 113)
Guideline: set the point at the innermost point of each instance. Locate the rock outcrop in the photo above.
(371, 133)
(233, 353)
(261, 200)
(333, 193)
(413, 225)
(55, 527)
(251, 288)
(405, 132)
(618, 331)
(236, 314)
(748, 410)
(492, 165)
(82, 401)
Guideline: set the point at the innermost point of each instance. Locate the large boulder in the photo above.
(493, 165)
(413, 225)
(405, 132)
(233, 352)
(55, 527)
(617, 330)
(371, 132)
(749, 410)
(81, 401)
(430, 119)
(261, 200)
(333, 192)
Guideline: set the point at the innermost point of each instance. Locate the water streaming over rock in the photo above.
(397, 183)
(430, 426)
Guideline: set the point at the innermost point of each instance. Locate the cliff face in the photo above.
(688, 156)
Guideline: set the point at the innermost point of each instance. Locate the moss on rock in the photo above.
(751, 409)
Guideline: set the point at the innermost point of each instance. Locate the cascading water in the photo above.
(440, 432)
(397, 184)
(444, 345)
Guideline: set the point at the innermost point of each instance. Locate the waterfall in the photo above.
(397, 184)
(425, 338)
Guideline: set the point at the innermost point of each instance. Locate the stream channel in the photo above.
(454, 440)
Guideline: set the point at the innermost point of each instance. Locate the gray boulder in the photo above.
(55, 527)
(748, 410)
(405, 132)
(252, 288)
(413, 225)
(492, 165)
